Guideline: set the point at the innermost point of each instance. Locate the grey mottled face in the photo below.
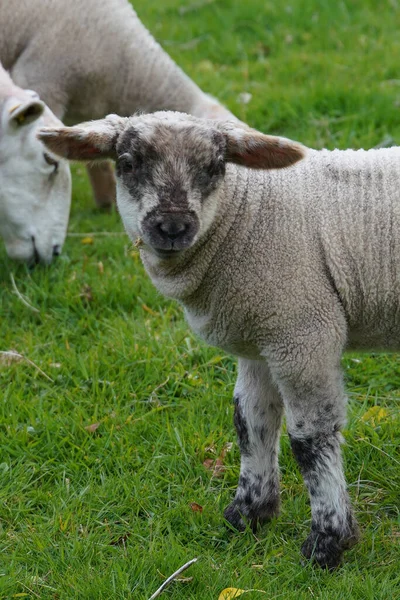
(166, 179)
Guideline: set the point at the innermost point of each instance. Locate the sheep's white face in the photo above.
(35, 185)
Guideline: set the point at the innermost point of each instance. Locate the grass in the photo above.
(99, 466)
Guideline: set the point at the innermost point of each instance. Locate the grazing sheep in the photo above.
(87, 58)
(35, 187)
(284, 268)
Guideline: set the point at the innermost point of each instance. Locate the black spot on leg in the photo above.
(314, 452)
(248, 499)
(306, 452)
(241, 427)
(243, 481)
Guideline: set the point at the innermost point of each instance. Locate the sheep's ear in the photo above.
(251, 148)
(24, 113)
(95, 140)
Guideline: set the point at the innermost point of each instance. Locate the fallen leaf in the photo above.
(219, 468)
(196, 507)
(87, 241)
(100, 266)
(375, 415)
(149, 310)
(216, 466)
(208, 464)
(92, 428)
(230, 593)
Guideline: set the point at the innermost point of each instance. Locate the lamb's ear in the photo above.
(251, 148)
(94, 140)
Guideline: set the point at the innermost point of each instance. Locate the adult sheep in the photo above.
(35, 186)
(282, 267)
(87, 58)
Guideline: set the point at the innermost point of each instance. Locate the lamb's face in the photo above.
(170, 168)
(167, 175)
(35, 185)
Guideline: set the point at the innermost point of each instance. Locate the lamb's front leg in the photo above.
(257, 417)
(315, 406)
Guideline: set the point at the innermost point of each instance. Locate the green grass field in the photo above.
(107, 450)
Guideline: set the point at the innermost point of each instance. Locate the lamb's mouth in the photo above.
(167, 254)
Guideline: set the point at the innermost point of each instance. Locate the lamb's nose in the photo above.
(173, 229)
(56, 250)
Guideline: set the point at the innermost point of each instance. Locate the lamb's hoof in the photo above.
(239, 514)
(326, 548)
(234, 517)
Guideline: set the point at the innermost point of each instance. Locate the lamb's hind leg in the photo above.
(315, 406)
(257, 417)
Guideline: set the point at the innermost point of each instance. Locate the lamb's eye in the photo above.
(203, 178)
(125, 162)
(51, 161)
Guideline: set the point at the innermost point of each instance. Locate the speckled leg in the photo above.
(102, 179)
(315, 406)
(257, 417)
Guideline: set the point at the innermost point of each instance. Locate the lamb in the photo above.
(87, 58)
(35, 186)
(283, 267)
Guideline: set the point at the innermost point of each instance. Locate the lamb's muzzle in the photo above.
(170, 232)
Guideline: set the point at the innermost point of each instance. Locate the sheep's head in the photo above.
(170, 167)
(35, 185)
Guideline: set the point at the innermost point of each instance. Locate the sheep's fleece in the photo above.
(283, 267)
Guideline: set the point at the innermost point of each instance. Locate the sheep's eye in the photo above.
(51, 161)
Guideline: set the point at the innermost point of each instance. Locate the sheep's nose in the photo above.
(172, 229)
(56, 250)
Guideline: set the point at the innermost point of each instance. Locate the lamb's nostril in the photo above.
(172, 229)
(56, 250)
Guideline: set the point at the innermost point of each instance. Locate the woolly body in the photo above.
(310, 243)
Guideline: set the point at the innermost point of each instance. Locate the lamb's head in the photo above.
(35, 185)
(170, 169)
